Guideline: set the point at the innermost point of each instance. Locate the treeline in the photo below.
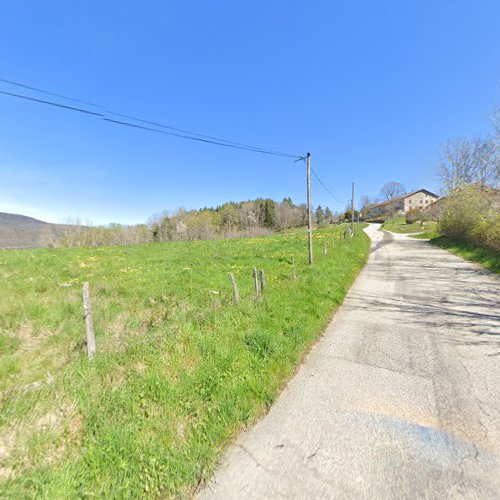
(248, 218)
(231, 220)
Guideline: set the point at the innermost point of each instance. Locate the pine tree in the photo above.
(328, 215)
(320, 215)
(269, 218)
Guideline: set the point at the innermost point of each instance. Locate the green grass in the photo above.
(398, 224)
(180, 369)
(426, 235)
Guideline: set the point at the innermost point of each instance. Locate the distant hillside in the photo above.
(19, 231)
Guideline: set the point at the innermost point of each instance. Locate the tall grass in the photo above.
(179, 370)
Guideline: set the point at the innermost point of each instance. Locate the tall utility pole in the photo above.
(352, 209)
(309, 209)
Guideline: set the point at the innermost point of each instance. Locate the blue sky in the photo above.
(371, 89)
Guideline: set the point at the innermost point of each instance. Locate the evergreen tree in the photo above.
(328, 215)
(269, 219)
(320, 215)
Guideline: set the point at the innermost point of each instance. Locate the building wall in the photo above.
(418, 200)
(386, 208)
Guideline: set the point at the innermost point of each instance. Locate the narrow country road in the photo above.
(399, 399)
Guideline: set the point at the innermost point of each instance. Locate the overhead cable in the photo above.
(104, 114)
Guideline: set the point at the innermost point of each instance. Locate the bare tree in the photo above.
(496, 124)
(366, 201)
(392, 190)
(487, 160)
(287, 215)
(496, 142)
(469, 161)
(248, 215)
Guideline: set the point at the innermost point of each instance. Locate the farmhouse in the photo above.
(420, 199)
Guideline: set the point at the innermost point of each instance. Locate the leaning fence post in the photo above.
(256, 282)
(235, 288)
(87, 315)
(262, 279)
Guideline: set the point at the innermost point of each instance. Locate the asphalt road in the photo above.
(399, 399)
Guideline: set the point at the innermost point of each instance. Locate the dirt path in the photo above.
(400, 398)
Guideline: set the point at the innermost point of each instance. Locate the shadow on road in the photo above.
(441, 293)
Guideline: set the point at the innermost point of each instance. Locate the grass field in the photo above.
(179, 370)
(398, 224)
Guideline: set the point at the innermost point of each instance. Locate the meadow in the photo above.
(180, 368)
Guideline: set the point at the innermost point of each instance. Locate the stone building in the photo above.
(421, 199)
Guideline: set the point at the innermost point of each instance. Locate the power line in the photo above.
(50, 103)
(185, 134)
(37, 89)
(168, 130)
(23, 85)
(133, 125)
(325, 187)
(156, 124)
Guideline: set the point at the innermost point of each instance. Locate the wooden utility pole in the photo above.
(352, 210)
(309, 209)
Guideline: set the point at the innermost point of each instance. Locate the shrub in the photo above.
(414, 215)
(469, 216)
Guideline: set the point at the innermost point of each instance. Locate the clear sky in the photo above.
(370, 88)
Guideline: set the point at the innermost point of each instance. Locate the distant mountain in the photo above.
(20, 231)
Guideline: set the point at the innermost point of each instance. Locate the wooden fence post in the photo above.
(262, 279)
(324, 246)
(256, 282)
(87, 314)
(235, 288)
(293, 266)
